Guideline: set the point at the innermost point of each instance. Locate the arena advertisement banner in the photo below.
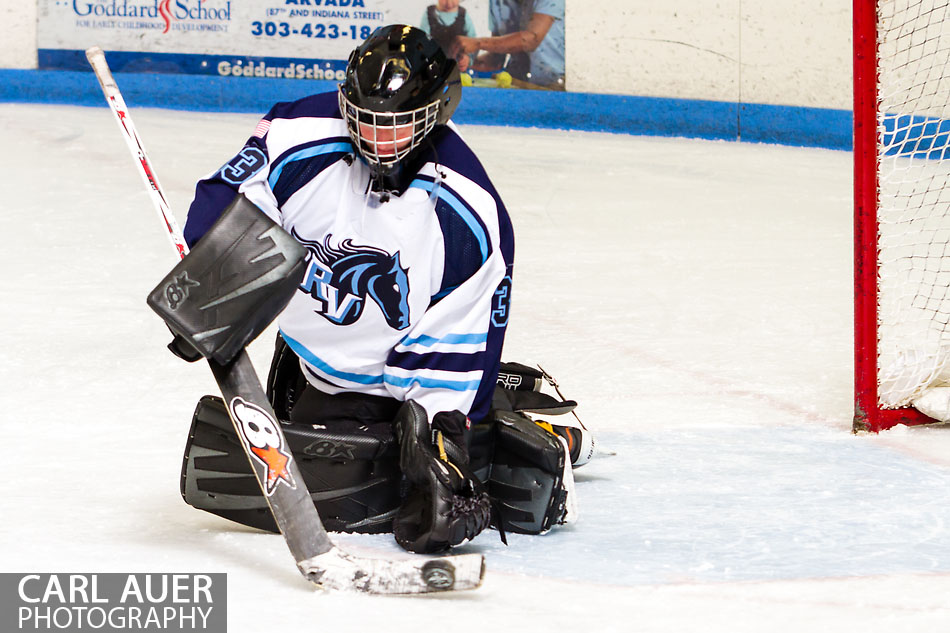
(301, 39)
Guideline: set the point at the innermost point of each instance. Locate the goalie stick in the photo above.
(318, 559)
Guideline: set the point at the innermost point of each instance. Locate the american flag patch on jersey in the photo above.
(262, 128)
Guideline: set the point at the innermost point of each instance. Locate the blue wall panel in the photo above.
(788, 125)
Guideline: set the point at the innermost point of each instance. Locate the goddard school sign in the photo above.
(180, 10)
(113, 602)
(296, 39)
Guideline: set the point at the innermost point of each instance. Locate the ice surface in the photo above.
(694, 296)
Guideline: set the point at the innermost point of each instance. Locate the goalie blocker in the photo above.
(352, 469)
(232, 284)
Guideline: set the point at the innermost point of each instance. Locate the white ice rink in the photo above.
(694, 296)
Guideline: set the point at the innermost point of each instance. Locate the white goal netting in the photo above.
(914, 198)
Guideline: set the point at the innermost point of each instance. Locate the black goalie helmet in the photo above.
(399, 85)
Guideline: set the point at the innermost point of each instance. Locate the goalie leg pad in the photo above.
(352, 472)
(235, 281)
(532, 483)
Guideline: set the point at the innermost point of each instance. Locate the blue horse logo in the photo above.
(341, 278)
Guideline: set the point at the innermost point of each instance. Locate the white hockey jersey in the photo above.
(406, 298)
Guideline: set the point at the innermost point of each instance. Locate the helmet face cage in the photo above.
(385, 138)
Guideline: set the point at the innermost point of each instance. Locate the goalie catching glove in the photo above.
(446, 504)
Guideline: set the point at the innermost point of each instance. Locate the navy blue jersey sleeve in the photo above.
(214, 193)
(252, 163)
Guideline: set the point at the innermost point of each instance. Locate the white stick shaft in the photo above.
(97, 60)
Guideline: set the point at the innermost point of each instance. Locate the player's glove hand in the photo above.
(184, 350)
(446, 504)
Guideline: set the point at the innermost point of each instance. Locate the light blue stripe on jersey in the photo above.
(448, 339)
(309, 152)
(432, 383)
(322, 365)
(459, 208)
(371, 379)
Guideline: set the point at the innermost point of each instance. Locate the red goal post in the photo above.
(901, 208)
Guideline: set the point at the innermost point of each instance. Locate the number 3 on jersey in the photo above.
(248, 162)
(500, 303)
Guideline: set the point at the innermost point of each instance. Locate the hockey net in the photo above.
(902, 212)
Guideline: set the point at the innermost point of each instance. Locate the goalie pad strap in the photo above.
(509, 492)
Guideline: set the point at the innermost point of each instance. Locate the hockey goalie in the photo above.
(387, 376)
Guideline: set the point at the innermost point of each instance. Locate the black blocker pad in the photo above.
(352, 472)
(230, 287)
